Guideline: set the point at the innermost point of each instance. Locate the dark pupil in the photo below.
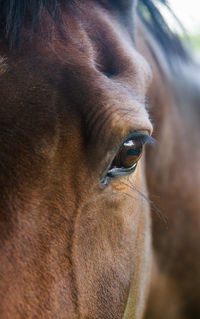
(134, 152)
(128, 154)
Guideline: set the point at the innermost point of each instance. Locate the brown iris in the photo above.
(128, 154)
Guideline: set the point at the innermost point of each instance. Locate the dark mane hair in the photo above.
(14, 14)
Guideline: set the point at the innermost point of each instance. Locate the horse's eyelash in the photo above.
(148, 139)
(143, 138)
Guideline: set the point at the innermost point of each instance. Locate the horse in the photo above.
(77, 184)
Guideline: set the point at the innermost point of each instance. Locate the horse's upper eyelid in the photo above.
(144, 138)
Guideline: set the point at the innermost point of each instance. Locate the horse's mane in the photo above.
(14, 15)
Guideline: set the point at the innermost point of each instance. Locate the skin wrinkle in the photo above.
(102, 123)
(107, 107)
(114, 139)
(118, 119)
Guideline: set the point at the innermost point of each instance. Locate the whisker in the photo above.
(152, 204)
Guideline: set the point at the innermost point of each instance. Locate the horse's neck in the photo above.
(174, 110)
(173, 178)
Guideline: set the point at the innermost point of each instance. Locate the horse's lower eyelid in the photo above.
(117, 171)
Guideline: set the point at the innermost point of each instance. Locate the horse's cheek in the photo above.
(112, 251)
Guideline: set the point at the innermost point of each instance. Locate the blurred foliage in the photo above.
(195, 41)
(192, 41)
(172, 40)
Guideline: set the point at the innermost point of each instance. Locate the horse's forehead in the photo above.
(103, 76)
(100, 51)
(96, 71)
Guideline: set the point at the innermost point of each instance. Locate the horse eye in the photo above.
(126, 159)
(128, 154)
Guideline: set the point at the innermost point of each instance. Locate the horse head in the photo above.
(75, 220)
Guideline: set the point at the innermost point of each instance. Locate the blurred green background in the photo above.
(188, 13)
(195, 42)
